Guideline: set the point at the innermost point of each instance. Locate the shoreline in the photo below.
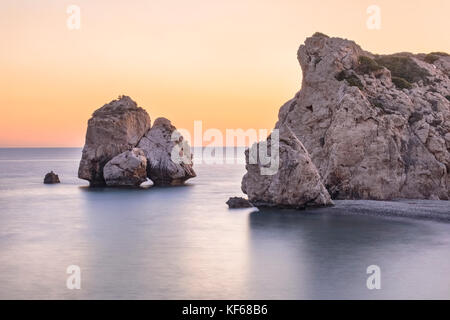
(415, 209)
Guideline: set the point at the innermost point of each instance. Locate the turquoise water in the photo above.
(184, 243)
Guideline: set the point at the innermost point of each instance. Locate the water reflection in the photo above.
(328, 252)
(129, 231)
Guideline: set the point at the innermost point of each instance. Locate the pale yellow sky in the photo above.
(231, 64)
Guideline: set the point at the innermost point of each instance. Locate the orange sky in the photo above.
(231, 64)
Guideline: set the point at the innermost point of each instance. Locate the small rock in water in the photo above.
(51, 178)
(238, 202)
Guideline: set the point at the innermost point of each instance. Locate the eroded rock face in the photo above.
(376, 127)
(128, 169)
(296, 183)
(169, 159)
(114, 128)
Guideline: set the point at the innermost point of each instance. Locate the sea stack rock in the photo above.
(376, 126)
(51, 178)
(128, 169)
(169, 158)
(238, 202)
(295, 183)
(114, 128)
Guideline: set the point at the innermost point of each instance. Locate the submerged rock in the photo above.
(114, 128)
(376, 126)
(238, 202)
(169, 158)
(295, 183)
(51, 178)
(128, 169)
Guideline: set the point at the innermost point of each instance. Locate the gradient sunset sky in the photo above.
(231, 64)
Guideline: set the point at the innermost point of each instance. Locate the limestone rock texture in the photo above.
(114, 128)
(296, 184)
(375, 126)
(128, 169)
(169, 157)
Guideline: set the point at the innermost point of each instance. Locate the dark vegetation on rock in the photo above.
(351, 78)
(403, 67)
(367, 65)
(431, 58)
(442, 54)
(401, 83)
(320, 34)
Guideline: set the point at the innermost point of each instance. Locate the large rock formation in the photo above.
(114, 128)
(169, 159)
(128, 169)
(296, 182)
(376, 126)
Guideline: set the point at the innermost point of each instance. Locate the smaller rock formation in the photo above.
(51, 178)
(128, 169)
(114, 128)
(295, 184)
(169, 159)
(238, 202)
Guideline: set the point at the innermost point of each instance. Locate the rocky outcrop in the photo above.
(114, 128)
(169, 159)
(122, 150)
(51, 178)
(128, 169)
(295, 183)
(238, 202)
(376, 126)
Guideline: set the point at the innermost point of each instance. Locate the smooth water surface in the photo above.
(184, 243)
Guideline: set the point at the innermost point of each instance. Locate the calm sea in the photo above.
(184, 243)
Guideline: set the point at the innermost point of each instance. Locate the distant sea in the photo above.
(184, 243)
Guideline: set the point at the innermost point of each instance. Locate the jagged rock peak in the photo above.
(376, 126)
(121, 104)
